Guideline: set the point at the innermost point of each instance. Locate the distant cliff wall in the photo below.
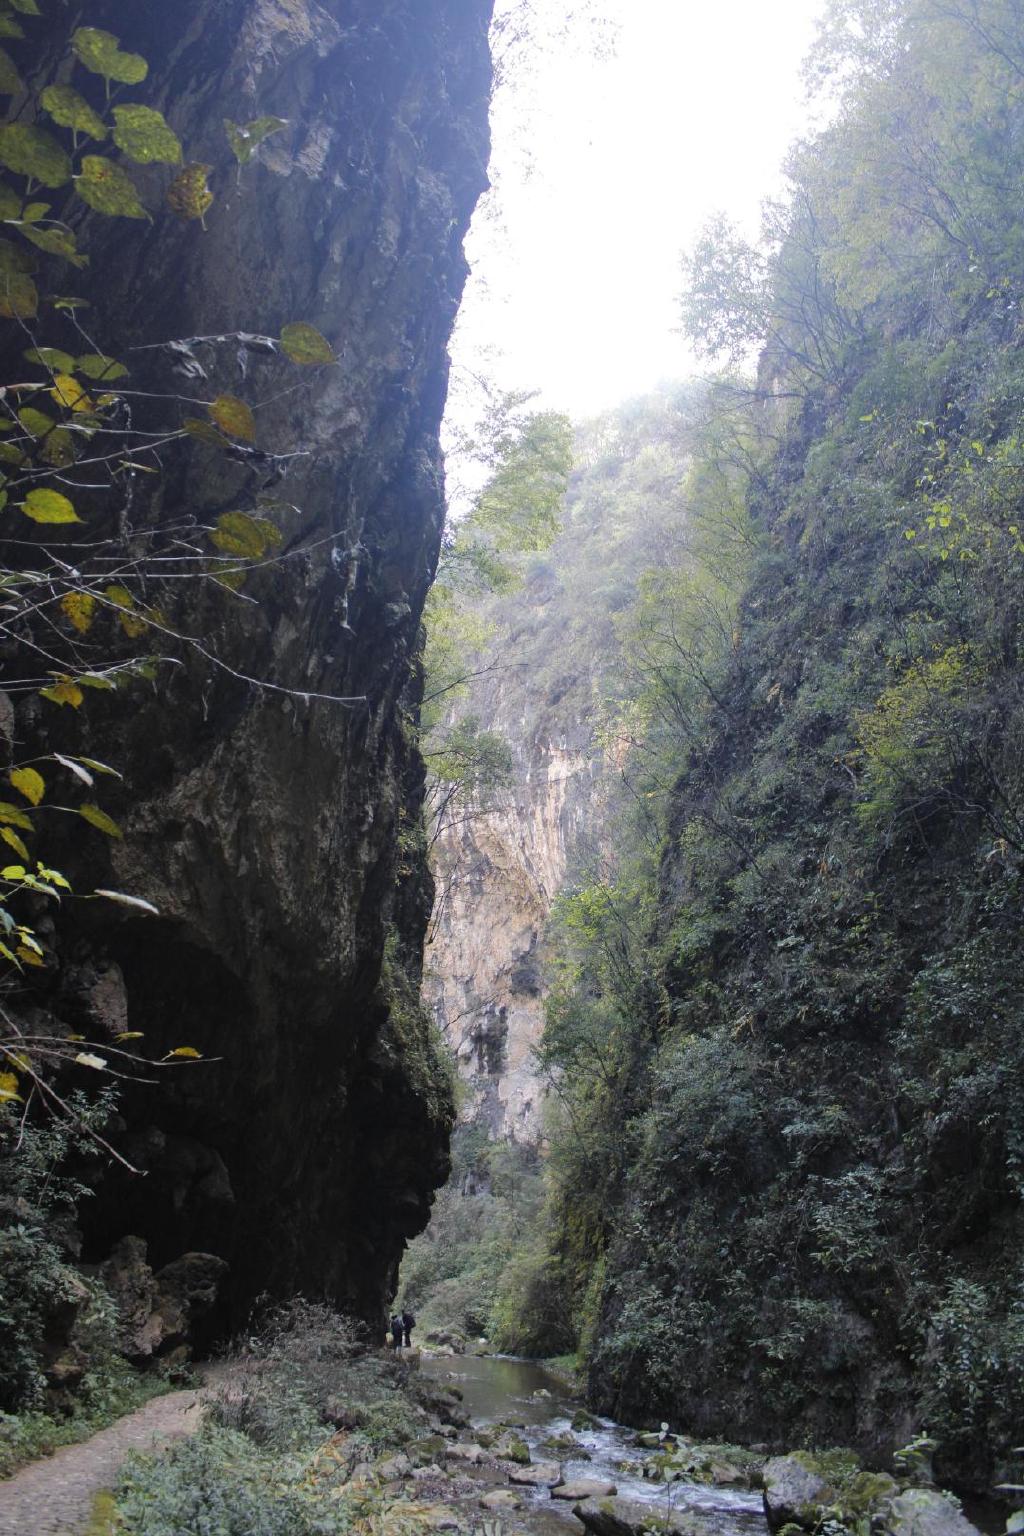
(497, 875)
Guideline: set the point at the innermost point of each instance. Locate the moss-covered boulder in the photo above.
(926, 1512)
(512, 1447)
(799, 1489)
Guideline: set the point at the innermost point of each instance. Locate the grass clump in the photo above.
(290, 1441)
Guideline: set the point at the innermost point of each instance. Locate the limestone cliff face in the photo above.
(497, 874)
(553, 668)
(265, 823)
(497, 877)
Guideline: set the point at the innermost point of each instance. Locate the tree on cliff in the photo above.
(528, 456)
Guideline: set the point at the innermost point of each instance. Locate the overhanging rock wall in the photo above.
(276, 832)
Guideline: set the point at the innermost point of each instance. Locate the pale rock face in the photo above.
(497, 876)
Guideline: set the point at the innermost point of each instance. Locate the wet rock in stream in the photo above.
(581, 1488)
(633, 1517)
(542, 1474)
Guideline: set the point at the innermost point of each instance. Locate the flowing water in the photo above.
(498, 1389)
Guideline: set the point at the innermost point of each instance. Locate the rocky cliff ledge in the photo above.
(274, 829)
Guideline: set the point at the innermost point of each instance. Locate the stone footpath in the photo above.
(54, 1497)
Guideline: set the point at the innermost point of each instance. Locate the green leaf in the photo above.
(19, 297)
(71, 110)
(205, 432)
(58, 449)
(10, 202)
(108, 188)
(234, 417)
(36, 423)
(144, 135)
(10, 81)
(101, 52)
(304, 344)
(13, 258)
(245, 139)
(44, 506)
(56, 242)
(90, 762)
(103, 369)
(30, 151)
(97, 818)
(237, 533)
(26, 7)
(28, 782)
(35, 211)
(188, 194)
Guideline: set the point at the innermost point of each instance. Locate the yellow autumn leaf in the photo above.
(29, 956)
(9, 1087)
(100, 819)
(78, 608)
(28, 783)
(63, 691)
(304, 345)
(14, 841)
(234, 417)
(14, 816)
(184, 1052)
(70, 394)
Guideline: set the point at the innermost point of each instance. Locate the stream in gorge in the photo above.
(503, 1390)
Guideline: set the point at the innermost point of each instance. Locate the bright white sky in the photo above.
(575, 283)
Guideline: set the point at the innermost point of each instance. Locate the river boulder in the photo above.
(499, 1499)
(634, 1517)
(543, 1474)
(510, 1446)
(795, 1490)
(926, 1512)
(460, 1450)
(581, 1488)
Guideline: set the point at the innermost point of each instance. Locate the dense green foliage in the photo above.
(49, 1311)
(552, 661)
(461, 1273)
(270, 1460)
(800, 1146)
(524, 458)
